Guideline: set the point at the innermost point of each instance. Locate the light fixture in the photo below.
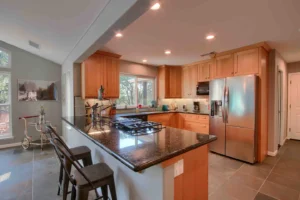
(156, 6)
(144, 61)
(168, 52)
(119, 35)
(210, 37)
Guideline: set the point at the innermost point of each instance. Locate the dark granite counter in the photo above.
(159, 112)
(139, 152)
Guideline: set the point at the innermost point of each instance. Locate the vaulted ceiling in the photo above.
(56, 25)
(182, 26)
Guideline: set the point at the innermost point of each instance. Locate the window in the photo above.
(5, 58)
(5, 105)
(136, 90)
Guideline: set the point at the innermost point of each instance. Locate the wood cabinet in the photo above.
(224, 66)
(189, 81)
(190, 122)
(169, 82)
(246, 62)
(196, 123)
(205, 71)
(101, 68)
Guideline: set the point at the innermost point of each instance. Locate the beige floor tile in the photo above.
(261, 196)
(246, 180)
(255, 171)
(285, 181)
(279, 192)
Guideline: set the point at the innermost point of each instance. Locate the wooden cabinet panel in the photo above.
(169, 82)
(101, 68)
(185, 82)
(175, 82)
(205, 71)
(190, 80)
(246, 62)
(162, 118)
(224, 66)
(112, 79)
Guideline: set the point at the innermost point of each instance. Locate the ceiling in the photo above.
(182, 26)
(56, 25)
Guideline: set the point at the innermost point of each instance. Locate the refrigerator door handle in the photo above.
(226, 104)
(223, 105)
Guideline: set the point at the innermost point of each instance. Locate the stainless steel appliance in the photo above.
(196, 106)
(233, 117)
(203, 88)
(137, 127)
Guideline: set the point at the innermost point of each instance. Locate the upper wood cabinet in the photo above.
(189, 81)
(224, 66)
(205, 71)
(169, 82)
(246, 62)
(101, 68)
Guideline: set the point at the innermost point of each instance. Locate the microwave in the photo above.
(203, 88)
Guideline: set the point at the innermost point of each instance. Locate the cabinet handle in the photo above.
(232, 73)
(235, 72)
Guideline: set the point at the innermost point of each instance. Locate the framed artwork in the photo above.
(36, 90)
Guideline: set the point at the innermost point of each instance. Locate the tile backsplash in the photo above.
(80, 103)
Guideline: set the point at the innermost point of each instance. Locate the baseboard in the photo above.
(4, 146)
(272, 153)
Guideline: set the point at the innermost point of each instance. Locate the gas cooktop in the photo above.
(137, 127)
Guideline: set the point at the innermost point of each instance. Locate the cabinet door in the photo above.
(185, 82)
(224, 66)
(161, 82)
(91, 76)
(112, 79)
(246, 62)
(193, 80)
(205, 71)
(175, 82)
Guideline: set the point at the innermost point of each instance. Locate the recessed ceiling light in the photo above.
(167, 52)
(144, 61)
(210, 37)
(156, 6)
(119, 35)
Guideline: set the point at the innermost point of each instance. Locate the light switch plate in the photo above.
(178, 168)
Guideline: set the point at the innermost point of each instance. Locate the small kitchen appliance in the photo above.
(196, 106)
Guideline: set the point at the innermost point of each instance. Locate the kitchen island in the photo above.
(170, 164)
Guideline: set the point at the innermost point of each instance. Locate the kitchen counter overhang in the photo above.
(140, 152)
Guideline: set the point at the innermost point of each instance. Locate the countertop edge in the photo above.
(143, 166)
(159, 112)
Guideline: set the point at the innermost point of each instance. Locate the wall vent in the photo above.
(33, 44)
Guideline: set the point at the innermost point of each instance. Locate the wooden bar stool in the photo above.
(80, 153)
(87, 178)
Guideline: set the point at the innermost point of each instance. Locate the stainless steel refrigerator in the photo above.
(233, 117)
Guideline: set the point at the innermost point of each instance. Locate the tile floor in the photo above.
(276, 178)
(32, 175)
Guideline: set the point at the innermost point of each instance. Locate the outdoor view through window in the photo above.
(136, 90)
(4, 96)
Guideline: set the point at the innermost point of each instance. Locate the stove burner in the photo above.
(137, 127)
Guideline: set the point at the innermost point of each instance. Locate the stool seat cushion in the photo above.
(81, 152)
(98, 174)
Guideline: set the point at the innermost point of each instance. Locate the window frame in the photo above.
(9, 58)
(10, 134)
(136, 89)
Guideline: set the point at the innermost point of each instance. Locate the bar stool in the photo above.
(87, 178)
(80, 153)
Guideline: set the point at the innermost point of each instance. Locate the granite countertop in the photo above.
(158, 112)
(139, 152)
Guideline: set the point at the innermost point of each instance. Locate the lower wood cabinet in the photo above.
(190, 122)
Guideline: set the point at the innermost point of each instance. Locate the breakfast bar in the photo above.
(169, 164)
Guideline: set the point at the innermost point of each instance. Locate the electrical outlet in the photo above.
(178, 168)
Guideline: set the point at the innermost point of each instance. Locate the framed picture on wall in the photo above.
(36, 90)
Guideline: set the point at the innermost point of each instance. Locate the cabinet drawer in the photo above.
(203, 119)
(196, 127)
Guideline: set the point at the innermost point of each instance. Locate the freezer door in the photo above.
(240, 101)
(240, 143)
(216, 122)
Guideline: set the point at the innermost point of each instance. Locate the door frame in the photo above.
(289, 103)
(279, 105)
